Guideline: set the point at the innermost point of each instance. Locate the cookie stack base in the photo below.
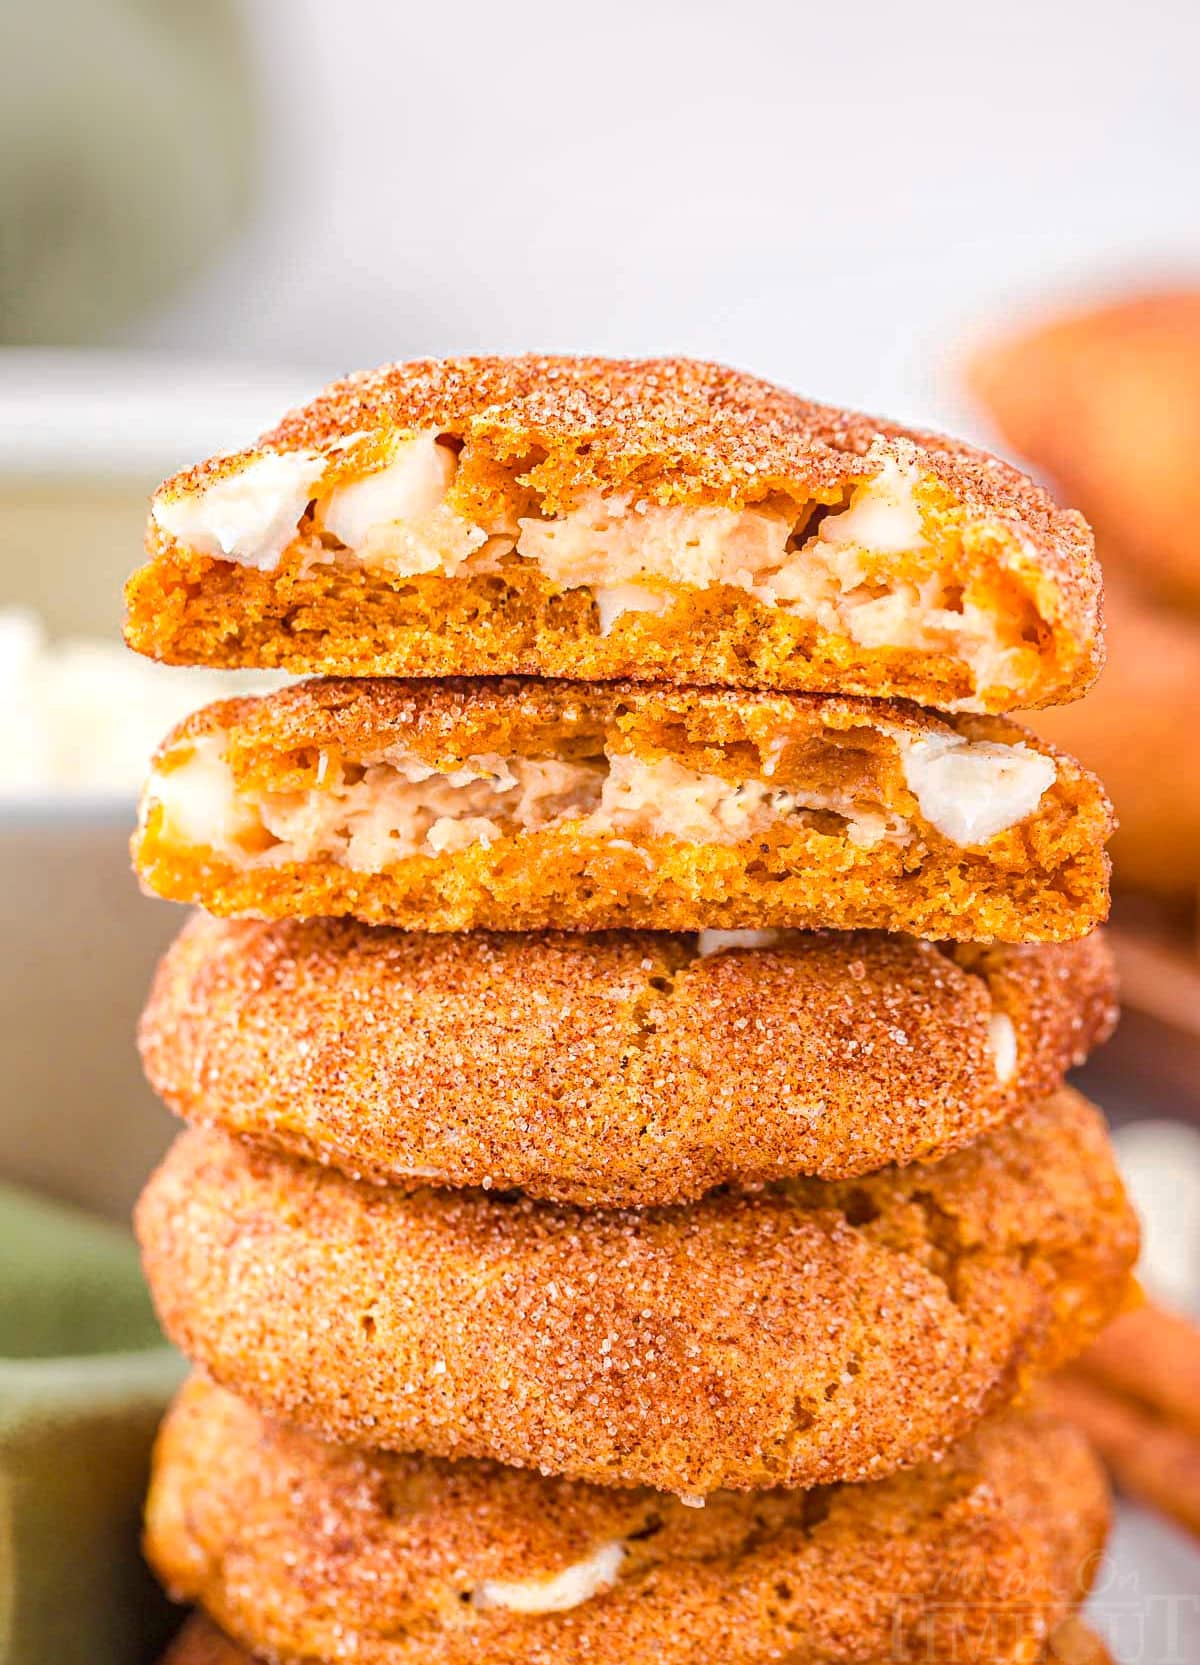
(304, 1551)
(201, 1643)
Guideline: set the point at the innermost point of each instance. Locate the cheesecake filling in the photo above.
(1002, 1041)
(370, 814)
(249, 515)
(970, 790)
(634, 557)
(573, 1586)
(713, 941)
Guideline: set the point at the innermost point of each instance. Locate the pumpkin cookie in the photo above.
(1132, 731)
(514, 805)
(200, 1643)
(1106, 402)
(308, 1551)
(595, 518)
(809, 1332)
(625, 1068)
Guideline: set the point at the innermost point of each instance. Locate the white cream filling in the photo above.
(882, 514)
(397, 806)
(200, 801)
(1002, 1038)
(249, 516)
(970, 790)
(571, 1587)
(664, 799)
(397, 519)
(615, 540)
(615, 600)
(715, 942)
(630, 554)
(402, 807)
(368, 816)
(414, 482)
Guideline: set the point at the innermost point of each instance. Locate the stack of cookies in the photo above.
(630, 1180)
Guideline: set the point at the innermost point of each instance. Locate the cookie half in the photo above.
(518, 805)
(595, 518)
(306, 1551)
(626, 1068)
(810, 1332)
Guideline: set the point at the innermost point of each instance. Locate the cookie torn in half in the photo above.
(590, 518)
(624, 1068)
(521, 805)
(293, 1545)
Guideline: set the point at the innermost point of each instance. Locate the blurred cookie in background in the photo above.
(1105, 402)
(1133, 730)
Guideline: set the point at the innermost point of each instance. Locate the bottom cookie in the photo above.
(304, 1551)
(201, 1643)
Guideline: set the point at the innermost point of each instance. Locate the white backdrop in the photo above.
(833, 194)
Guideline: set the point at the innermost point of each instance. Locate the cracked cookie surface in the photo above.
(809, 1332)
(201, 1643)
(628, 1068)
(313, 1552)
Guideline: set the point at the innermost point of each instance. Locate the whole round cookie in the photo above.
(809, 1332)
(524, 805)
(306, 1551)
(661, 519)
(201, 1643)
(627, 1068)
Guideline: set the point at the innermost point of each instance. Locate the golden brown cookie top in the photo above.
(291, 1544)
(633, 1067)
(809, 1332)
(674, 429)
(615, 475)
(449, 718)
(201, 1643)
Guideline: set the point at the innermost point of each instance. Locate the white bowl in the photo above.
(84, 439)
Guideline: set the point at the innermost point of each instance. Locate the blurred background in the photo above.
(979, 219)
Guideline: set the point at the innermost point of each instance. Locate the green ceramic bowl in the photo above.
(84, 1379)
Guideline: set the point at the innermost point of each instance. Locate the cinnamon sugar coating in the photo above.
(810, 1332)
(1044, 878)
(200, 1643)
(534, 436)
(306, 1551)
(613, 1069)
